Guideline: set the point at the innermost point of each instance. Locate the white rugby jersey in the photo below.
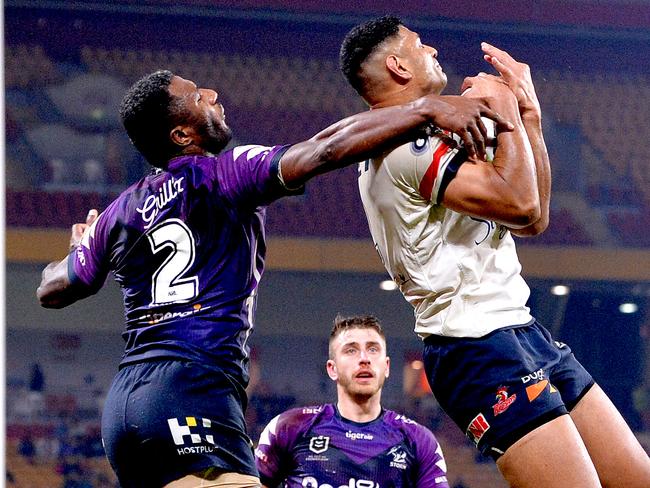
(461, 274)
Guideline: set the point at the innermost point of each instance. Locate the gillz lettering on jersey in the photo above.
(156, 202)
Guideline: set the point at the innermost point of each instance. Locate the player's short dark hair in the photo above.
(341, 324)
(148, 112)
(360, 42)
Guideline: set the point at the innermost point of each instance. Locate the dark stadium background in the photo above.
(67, 63)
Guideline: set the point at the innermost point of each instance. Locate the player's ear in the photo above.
(397, 68)
(387, 366)
(331, 370)
(181, 135)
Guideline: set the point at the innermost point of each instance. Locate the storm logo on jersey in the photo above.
(399, 458)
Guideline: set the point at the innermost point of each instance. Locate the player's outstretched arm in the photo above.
(504, 190)
(517, 76)
(371, 133)
(56, 290)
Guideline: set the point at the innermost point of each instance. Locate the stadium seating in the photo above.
(286, 99)
(27, 66)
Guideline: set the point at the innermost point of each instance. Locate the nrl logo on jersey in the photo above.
(319, 444)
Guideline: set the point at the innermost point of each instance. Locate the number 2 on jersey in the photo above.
(168, 284)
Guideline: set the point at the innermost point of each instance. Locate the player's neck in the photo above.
(398, 96)
(359, 410)
(193, 150)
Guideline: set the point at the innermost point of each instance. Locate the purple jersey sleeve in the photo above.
(432, 471)
(273, 454)
(88, 264)
(254, 177)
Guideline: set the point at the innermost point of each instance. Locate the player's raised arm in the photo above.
(368, 134)
(517, 76)
(504, 190)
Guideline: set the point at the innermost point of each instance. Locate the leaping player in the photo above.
(443, 222)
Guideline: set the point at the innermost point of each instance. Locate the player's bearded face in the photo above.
(215, 134)
(351, 384)
(211, 129)
(360, 363)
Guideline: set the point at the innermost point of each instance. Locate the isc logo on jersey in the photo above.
(311, 482)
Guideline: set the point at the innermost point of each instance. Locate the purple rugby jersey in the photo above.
(314, 447)
(187, 247)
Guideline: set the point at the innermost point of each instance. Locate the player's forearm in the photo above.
(56, 290)
(374, 132)
(514, 164)
(533, 125)
(355, 139)
(51, 292)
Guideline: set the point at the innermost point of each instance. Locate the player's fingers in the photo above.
(503, 69)
(468, 82)
(481, 127)
(502, 123)
(76, 234)
(495, 51)
(479, 139)
(92, 216)
(468, 142)
(79, 229)
(495, 78)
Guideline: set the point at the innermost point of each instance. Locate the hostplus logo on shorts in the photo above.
(190, 433)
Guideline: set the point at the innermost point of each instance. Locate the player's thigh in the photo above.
(551, 456)
(619, 458)
(211, 479)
